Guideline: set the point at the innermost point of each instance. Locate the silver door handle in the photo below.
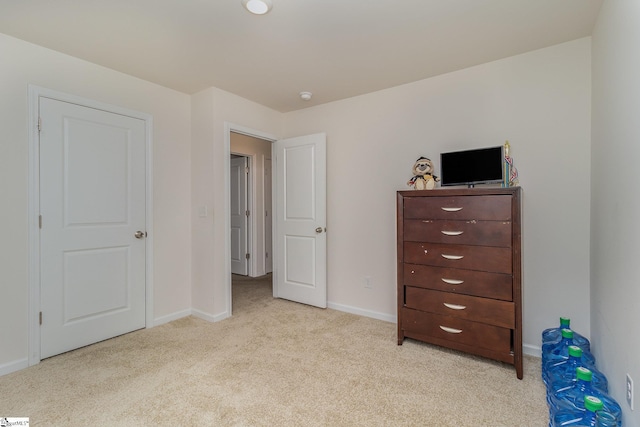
(140, 234)
(319, 230)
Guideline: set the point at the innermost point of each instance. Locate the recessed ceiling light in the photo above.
(258, 7)
(305, 96)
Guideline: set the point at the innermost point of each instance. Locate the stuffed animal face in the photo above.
(423, 166)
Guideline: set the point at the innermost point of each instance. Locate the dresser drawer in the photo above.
(483, 258)
(485, 310)
(457, 208)
(467, 282)
(458, 330)
(470, 232)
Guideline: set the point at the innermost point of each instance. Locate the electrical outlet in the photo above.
(367, 283)
(630, 391)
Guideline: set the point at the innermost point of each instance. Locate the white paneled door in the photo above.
(92, 239)
(238, 203)
(301, 239)
(268, 216)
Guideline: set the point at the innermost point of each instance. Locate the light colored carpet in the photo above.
(274, 363)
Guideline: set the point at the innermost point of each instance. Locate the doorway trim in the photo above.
(34, 95)
(228, 128)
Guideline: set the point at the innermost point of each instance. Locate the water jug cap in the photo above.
(592, 403)
(575, 351)
(567, 333)
(564, 321)
(583, 374)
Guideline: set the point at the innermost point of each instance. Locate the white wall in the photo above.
(22, 64)
(615, 207)
(202, 197)
(539, 101)
(215, 112)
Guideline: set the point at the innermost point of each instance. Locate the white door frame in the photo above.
(228, 128)
(34, 94)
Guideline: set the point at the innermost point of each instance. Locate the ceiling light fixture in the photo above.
(258, 7)
(305, 96)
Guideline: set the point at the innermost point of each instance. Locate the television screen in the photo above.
(470, 167)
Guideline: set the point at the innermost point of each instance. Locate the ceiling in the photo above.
(335, 49)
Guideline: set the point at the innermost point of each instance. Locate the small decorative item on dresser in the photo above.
(423, 177)
(510, 172)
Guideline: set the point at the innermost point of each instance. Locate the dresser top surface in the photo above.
(444, 192)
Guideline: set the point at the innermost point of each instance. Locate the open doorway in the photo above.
(299, 257)
(250, 215)
(250, 180)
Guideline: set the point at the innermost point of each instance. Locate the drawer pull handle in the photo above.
(453, 257)
(451, 233)
(452, 281)
(451, 209)
(454, 306)
(450, 330)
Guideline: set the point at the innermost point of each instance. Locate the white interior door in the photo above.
(268, 218)
(238, 203)
(301, 240)
(92, 202)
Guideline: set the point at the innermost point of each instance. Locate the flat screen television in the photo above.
(471, 167)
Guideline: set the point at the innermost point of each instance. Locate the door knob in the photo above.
(319, 230)
(139, 234)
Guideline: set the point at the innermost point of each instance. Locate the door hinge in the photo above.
(41, 318)
(39, 124)
(246, 169)
(266, 254)
(247, 213)
(247, 256)
(40, 221)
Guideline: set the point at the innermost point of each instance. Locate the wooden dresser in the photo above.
(459, 270)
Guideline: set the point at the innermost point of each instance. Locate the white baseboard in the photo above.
(532, 350)
(171, 317)
(221, 316)
(209, 317)
(366, 313)
(191, 312)
(14, 366)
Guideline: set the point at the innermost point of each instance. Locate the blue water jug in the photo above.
(558, 350)
(559, 373)
(579, 417)
(555, 334)
(572, 397)
(606, 419)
